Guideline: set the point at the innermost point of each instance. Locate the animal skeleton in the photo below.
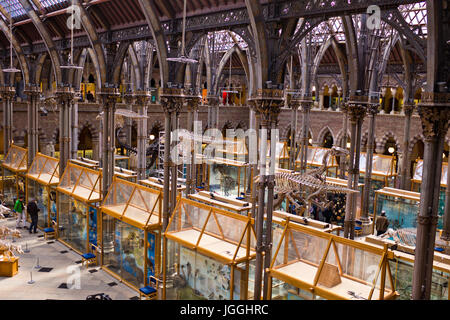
(5, 231)
(10, 248)
(310, 187)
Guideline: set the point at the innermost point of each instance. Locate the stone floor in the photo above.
(55, 284)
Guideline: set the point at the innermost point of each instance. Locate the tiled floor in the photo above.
(55, 283)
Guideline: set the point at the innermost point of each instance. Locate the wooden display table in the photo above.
(9, 267)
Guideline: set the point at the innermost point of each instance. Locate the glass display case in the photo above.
(208, 253)
(402, 269)
(227, 177)
(401, 207)
(416, 182)
(78, 196)
(324, 266)
(122, 161)
(236, 205)
(42, 178)
(234, 149)
(158, 185)
(131, 232)
(315, 160)
(340, 201)
(14, 168)
(281, 154)
(383, 173)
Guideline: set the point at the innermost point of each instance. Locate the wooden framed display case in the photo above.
(281, 155)
(131, 233)
(401, 207)
(79, 194)
(14, 168)
(158, 185)
(42, 179)
(310, 265)
(383, 173)
(228, 177)
(120, 172)
(416, 182)
(234, 149)
(402, 269)
(315, 160)
(122, 161)
(208, 252)
(236, 205)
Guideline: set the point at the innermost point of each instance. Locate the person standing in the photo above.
(382, 223)
(19, 208)
(33, 212)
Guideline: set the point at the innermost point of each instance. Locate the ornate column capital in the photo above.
(32, 90)
(109, 96)
(213, 101)
(357, 108)
(267, 103)
(64, 95)
(172, 99)
(408, 108)
(7, 92)
(434, 112)
(143, 98)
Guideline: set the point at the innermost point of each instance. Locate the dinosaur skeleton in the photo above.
(5, 231)
(10, 248)
(310, 187)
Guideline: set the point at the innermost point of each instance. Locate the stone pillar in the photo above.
(74, 124)
(268, 104)
(171, 102)
(306, 105)
(357, 110)
(434, 111)
(33, 93)
(109, 98)
(294, 104)
(372, 111)
(129, 100)
(191, 168)
(96, 152)
(65, 96)
(213, 107)
(394, 93)
(343, 160)
(143, 98)
(8, 94)
(321, 100)
(405, 174)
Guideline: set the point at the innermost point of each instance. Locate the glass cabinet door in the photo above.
(132, 255)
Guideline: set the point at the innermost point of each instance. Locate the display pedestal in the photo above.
(9, 267)
(367, 227)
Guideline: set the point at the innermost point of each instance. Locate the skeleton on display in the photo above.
(5, 231)
(309, 188)
(7, 249)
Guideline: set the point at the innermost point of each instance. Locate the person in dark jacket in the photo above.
(382, 223)
(33, 210)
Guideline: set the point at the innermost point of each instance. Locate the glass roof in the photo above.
(13, 7)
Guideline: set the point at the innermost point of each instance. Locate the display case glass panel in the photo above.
(401, 207)
(9, 188)
(227, 177)
(402, 272)
(16, 159)
(81, 182)
(204, 245)
(127, 254)
(133, 204)
(72, 221)
(39, 193)
(122, 161)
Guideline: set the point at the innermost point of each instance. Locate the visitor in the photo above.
(90, 97)
(382, 223)
(33, 211)
(19, 208)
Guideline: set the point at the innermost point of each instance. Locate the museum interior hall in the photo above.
(224, 150)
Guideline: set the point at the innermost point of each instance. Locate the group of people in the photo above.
(21, 210)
